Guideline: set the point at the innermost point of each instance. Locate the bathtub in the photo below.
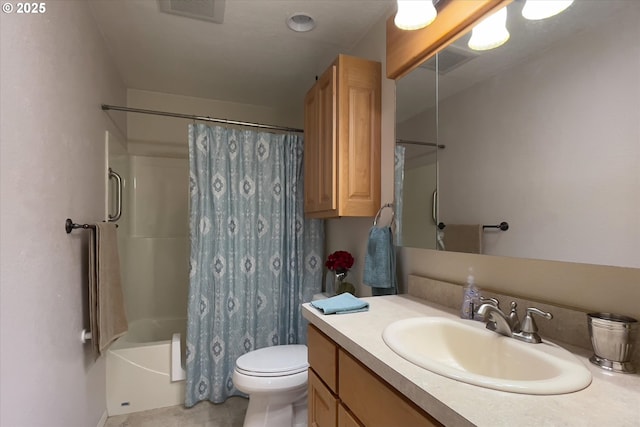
(144, 367)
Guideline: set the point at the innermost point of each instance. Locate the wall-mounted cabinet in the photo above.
(342, 140)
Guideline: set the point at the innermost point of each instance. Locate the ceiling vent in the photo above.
(449, 59)
(207, 10)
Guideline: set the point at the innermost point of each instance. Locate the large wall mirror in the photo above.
(542, 132)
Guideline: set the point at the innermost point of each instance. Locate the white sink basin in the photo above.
(467, 352)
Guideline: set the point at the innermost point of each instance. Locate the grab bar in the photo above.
(113, 174)
(434, 207)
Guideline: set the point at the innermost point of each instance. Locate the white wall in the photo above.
(55, 73)
(585, 286)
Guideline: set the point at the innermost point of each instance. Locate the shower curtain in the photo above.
(398, 189)
(254, 257)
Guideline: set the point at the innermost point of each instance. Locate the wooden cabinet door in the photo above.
(359, 111)
(346, 419)
(322, 404)
(311, 150)
(320, 147)
(323, 357)
(375, 403)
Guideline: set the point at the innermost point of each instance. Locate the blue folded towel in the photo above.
(341, 304)
(380, 262)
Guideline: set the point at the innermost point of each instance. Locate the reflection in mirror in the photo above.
(416, 135)
(541, 132)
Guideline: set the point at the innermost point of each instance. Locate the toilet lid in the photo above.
(274, 361)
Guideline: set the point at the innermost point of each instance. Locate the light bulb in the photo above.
(414, 14)
(491, 32)
(541, 9)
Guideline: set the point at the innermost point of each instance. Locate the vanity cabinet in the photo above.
(345, 393)
(342, 140)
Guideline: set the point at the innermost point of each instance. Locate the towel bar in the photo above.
(69, 226)
(503, 226)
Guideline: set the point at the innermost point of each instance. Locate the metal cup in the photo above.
(612, 337)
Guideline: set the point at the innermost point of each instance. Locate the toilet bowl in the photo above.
(275, 378)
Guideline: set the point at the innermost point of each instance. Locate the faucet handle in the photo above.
(513, 317)
(529, 328)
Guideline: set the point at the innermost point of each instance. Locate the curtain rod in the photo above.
(426, 144)
(199, 118)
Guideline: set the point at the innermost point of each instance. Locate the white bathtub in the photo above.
(139, 367)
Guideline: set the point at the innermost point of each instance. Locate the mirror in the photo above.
(541, 132)
(416, 133)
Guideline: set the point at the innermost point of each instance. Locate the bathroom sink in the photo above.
(465, 351)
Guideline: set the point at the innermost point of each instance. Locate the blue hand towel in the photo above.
(380, 262)
(341, 304)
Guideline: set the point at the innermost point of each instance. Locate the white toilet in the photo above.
(275, 378)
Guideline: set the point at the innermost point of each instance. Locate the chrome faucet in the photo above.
(476, 304)
(496, 319)
(509, 326)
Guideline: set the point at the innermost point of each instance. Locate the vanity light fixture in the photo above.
(414, 14)
(541, 9)
(490, 32)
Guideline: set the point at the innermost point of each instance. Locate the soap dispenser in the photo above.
(470, 297)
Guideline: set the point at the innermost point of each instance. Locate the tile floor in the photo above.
(204, 414)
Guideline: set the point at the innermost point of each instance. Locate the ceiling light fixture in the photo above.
(541, 9)
(490, 32)
(414, 14)
(301, 22)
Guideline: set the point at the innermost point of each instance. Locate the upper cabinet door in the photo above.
(359, 105)
(342, 140)
(327, 172)
(320, 195)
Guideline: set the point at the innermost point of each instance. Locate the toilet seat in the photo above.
(276, 361)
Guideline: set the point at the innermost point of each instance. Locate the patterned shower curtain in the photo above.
(254, 257)
(398, 190)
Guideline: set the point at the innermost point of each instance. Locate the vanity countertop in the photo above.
(611, 400)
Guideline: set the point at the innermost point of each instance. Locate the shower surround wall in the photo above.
(156, 203)
(156, 273)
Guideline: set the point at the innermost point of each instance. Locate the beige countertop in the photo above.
(611, 400)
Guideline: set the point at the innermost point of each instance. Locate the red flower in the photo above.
(340, 261)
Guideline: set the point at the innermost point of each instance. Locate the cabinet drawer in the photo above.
(322, 404)
(345, 419)
(373, 401)
(323, 357)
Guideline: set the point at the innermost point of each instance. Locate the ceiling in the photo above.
(252, 57)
